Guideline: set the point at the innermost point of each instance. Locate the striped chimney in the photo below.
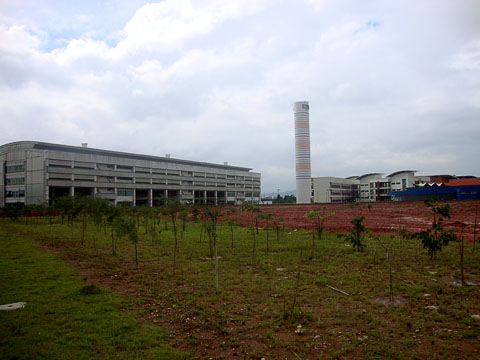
(302, 151)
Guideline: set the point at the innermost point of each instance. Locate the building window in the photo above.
(15, 168)
(15, 193)
(124, 192)
(124, 179)
(124, 168)
(15, 181)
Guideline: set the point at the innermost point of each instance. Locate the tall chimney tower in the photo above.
(302, 151)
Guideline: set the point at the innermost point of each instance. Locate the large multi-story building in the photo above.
(37, 172)
(368, 187)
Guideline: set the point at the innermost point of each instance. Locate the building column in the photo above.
(216, 197)
(166, 196)
(150, 197)
(205, 196)
(72, 191)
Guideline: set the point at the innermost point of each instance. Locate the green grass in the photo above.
(65, 318)
(247, 317)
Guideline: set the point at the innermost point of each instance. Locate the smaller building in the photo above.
(396, 186)
(334, 189)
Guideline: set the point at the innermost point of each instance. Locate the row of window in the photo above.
(129, 192)
(15, 168)
(15, 181)
(173, 173)
(124, 192)
(143, 170)
(15, 193)
(111, 179)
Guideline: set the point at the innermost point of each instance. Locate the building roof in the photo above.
(463, 181)
(92, 151)
(443, 176)
(366, 175)
(401, 171)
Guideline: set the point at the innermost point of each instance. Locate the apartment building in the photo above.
(37, 172)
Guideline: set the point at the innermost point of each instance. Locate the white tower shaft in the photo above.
(302, 151)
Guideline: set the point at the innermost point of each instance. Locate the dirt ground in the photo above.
(379, 217)
(243, 321)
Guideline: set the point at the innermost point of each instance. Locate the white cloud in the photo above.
(166, 26)
(468, 58)
(391, 85)
(15, 40)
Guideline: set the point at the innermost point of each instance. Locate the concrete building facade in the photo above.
(334, 189)
(370, 187)
(37, 172)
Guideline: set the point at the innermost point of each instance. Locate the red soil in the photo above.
(381, 218)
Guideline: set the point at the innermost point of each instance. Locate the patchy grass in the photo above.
(65, 318)
(260, 306)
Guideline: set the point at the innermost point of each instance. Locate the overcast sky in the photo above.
(392, 85)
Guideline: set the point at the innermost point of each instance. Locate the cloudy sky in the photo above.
(392, 85)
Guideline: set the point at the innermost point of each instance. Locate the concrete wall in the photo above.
(333, 189)
(60, 169)
(2, 179)
(35, 178)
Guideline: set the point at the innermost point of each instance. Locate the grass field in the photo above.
(283, 305)
(64, 318)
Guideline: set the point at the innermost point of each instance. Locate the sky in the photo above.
(392, 85)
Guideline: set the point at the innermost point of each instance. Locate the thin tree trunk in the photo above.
(114, 252)
(216, 262)
(174, 249)
(475, 228)
(136, 253)
(390, 276)
(461, 261)
(312, 255)
(84, 225)
(297, 286)
(202, 232)
(268, 242)
(254, 255)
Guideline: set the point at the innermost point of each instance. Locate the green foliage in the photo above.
(318, 217)
(252, 214)
(174, 210)
(126, 226)
(435, 237)
(211, 215)
(287, 199)
(355, 234)
(12, 211)
(230, 222)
